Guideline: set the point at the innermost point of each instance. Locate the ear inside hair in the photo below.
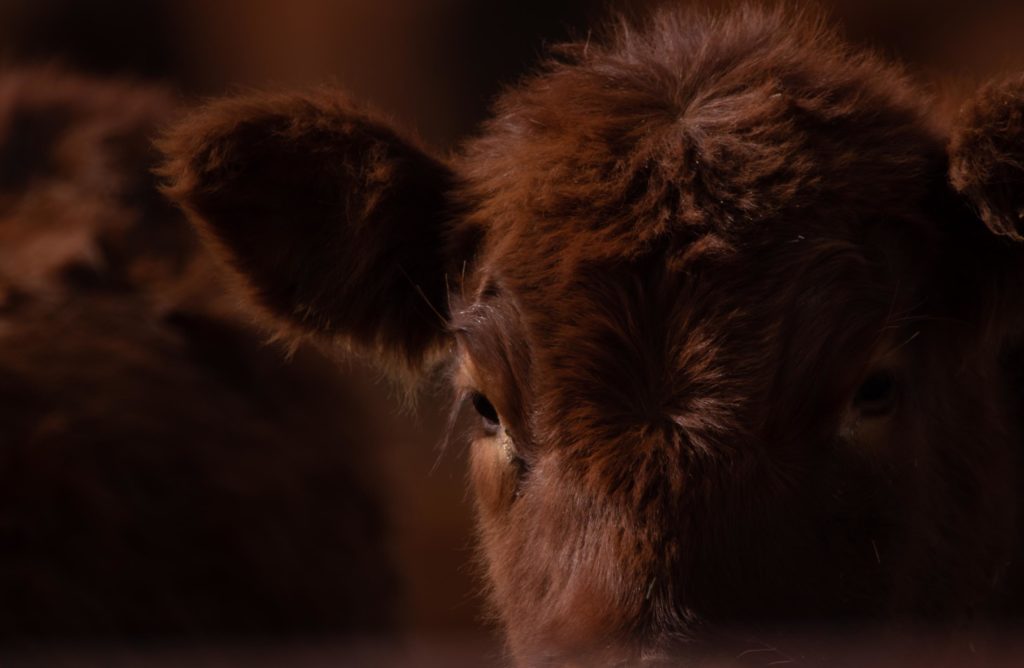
(336, 222)
(987, 156)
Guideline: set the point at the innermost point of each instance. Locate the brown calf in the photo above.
(742, 351)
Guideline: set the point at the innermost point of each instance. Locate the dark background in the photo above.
(435, 64)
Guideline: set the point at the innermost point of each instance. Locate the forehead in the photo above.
(692, 213)
(699, 138)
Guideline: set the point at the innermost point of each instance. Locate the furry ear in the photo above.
(336, 222)
(987, 156)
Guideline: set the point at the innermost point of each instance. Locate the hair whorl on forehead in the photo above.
(693, 123)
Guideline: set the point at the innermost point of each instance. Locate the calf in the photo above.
(738, 318)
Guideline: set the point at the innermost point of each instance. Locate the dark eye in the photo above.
(877, 394)
(486, 410)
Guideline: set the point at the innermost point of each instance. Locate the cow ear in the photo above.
(336, 222)
(987, 156)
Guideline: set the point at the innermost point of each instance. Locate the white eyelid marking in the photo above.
(506, 446)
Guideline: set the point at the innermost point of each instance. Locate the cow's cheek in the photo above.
(493, 479)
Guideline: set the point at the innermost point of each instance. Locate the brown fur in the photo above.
(163, 472)
(987, 165)
(252, 158)
(684, 257)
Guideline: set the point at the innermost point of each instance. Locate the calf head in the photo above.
(735, 342)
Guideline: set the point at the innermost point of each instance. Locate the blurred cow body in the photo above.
(164, 473)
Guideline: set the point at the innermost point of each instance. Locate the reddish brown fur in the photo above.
(676, 263)
(163, 472)
(252, 157)
(986, 161)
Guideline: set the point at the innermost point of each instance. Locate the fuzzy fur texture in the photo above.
(163, 472)
(368, 226)
(738, 348)
(987, 158)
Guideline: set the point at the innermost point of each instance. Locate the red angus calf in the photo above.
(742, 352)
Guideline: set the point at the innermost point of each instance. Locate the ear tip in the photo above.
(212, 139)
(201, 149)
(987, 155)
(173, 169)
(184, 150)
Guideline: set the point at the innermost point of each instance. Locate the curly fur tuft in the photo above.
(987, 156)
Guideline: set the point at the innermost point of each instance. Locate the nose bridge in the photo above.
(632, 529)
(608, 589)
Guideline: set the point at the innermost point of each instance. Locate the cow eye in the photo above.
(876, 396)
(486, 410)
